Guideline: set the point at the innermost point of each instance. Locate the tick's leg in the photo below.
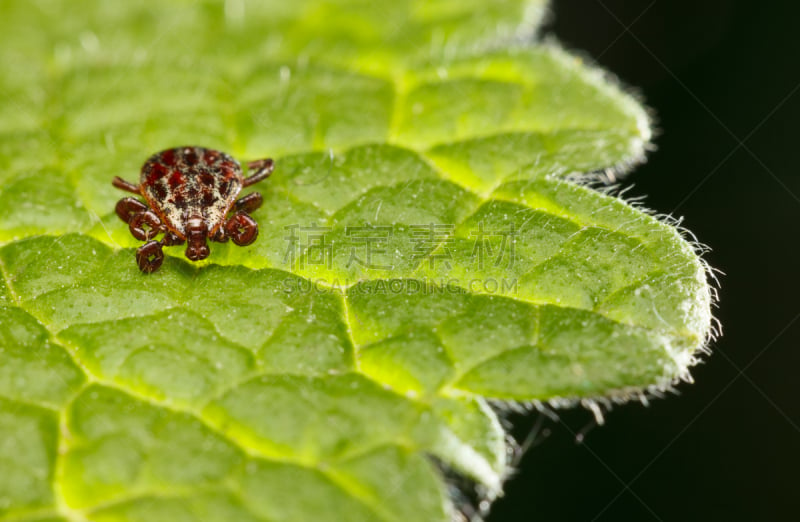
(149, 257)
(125, 185)
(220, 236)
(170, 239)
(241, 228)
(145, 225)
(262, 169)
(128, 207)
(249, 203)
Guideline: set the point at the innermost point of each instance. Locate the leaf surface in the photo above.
(423, 249)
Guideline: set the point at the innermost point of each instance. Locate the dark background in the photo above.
(724, 80)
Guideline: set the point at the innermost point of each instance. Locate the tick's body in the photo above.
(178, 183)
(190, 191)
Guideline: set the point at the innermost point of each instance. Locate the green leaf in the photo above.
(432, 146)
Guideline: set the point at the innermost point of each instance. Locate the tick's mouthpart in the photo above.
(197, 252)
(196, 234)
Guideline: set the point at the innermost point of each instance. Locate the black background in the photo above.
(721, 77)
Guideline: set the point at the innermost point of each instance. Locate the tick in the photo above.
(190, 195)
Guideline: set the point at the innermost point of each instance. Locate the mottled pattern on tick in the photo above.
(191, 181)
